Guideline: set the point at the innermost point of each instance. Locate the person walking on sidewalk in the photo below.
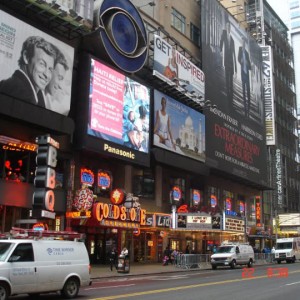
(113, 258)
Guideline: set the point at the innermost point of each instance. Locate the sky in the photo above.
(281, 7)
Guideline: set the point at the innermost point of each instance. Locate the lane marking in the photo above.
(293, 283)
(183, 287)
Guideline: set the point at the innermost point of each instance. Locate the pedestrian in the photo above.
(187, 249)
(166, 257)
(124, 252)
(113, 258)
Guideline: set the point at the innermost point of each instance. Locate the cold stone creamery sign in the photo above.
(119, 216)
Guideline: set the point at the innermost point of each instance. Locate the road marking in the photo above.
(293, 283)
(109, 287)
(183, 287)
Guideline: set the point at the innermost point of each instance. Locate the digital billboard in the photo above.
(35, 67)
(119, 109)
(232, 63)
(178, 128)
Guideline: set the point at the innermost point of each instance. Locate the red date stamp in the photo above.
(271, 272)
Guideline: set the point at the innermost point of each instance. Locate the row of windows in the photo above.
(178, 21)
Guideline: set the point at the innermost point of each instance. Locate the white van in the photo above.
(39, 266)
(232, 255)
(287, 249)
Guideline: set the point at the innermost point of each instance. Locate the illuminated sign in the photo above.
(87, 176)
(104, 212)
(228, 203)
(176, 193)
(237, 225)
(104, 180)
(117, 196)
(257, 212)
(40, 226)
(278, 166)
(183, 208)
(78, 214)
(121, 113)
(242, 207)
(196, 197)
(213, 201)
(198, 222)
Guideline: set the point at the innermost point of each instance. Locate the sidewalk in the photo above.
(103, 271)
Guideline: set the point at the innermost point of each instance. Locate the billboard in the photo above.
(119, 110)
(269, 94)
(76, 12)
(178, 128)
(35, 67)
(232, 63)
(175, 69)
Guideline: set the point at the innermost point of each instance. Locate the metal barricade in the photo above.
(188, 261)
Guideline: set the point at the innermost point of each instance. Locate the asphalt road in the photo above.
(274, 282)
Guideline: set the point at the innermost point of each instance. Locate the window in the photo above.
(143, 183)
(23, 252)
(178, 21)
(195, 34)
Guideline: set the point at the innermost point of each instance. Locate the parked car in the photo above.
(232, 255)
(38, 266)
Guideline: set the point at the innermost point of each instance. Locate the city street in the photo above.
(262, 282)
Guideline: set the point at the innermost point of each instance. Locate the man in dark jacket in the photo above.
(36, 66)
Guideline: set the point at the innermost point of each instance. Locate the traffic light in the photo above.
(44, 182)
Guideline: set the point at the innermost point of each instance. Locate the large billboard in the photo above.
(269, 94)
(119, 109)
(178, 128)
(175, 69)
(35, 67)
(232, 63)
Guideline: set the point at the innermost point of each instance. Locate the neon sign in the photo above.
(176, 193)
(196, 196)
(213, 201)
(87, 176)
(117, 196)
(104, 180)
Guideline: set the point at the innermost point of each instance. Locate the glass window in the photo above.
(195, 34)
(143, 183)
(178, 20)
(17, 161)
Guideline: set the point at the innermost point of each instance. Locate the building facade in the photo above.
(149, 157)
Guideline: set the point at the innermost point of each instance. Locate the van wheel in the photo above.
(279, 261)
(214, 267)
(250, 263)
(71, 288)
(3, 291)
(233, 264)
(294, 259)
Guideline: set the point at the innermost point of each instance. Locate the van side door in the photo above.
(22, 269)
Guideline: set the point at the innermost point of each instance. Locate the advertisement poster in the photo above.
(35, 67)
(175, 69)
(269, 94)
(119, 108)
(178, 128)
(232, 63)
